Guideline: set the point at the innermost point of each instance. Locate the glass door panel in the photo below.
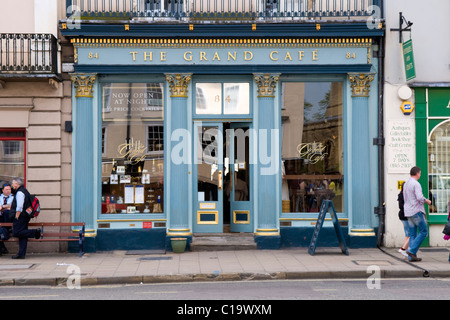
(241, 219)
(208, 174)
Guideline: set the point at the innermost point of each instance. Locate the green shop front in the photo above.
(177, 136)
(432, 125)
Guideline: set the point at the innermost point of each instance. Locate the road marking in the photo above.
(155, 292)
(34, 296)
(325, 289)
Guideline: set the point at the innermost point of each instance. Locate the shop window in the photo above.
(155, 138)
(12, 154)
(132, 148)
(439, 169)
(312, 145)
(222, 98)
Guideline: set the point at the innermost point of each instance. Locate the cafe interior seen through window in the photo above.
(132, 148)
(312, 145)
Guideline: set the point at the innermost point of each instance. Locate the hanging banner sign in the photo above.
(408, 58)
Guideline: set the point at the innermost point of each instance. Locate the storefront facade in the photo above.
(35, 103)
(416, 136)
(175, 136)
(432, 127)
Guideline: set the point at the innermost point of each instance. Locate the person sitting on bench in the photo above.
(21, 219)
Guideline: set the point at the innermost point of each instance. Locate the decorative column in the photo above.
(178, 208)
(359, 193)
(84, 208)
(267, 233)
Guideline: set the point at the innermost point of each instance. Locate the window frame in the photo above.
(312, 216)
(106, 80)
(24, 139)
(225, 79)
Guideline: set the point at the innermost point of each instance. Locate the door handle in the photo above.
(220, 179)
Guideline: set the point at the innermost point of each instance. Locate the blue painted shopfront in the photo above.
(236, 135)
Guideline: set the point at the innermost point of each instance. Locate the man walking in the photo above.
(415, 212)
(20, 223)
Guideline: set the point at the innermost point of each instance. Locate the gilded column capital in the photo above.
(178, 84)
(360, 83)
(83, 84)
(266, 84)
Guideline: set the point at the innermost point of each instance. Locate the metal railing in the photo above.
(219, 9)
(24, 53)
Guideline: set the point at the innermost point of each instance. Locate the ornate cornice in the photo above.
(266, 84)
(141, 42)
(83, 84)
(360, 83)
(178, 84)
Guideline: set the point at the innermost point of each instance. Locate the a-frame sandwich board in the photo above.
(327, 205)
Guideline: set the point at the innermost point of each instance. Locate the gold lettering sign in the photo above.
(272, 57)
(148, 55)
(248, 55)
(133, 151)
(231, 56)
(313, 151)
(188, 56)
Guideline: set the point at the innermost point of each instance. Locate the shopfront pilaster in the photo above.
(268, 162)
(360, 222)
(178, 173)
(84, 204)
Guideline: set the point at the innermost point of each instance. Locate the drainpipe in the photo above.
(380, 140)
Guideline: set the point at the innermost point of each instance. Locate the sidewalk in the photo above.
(121, 267)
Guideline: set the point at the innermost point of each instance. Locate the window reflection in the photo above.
(208, 163)
(312, 145)
(236, 98)
(222, 98)
(208, 98)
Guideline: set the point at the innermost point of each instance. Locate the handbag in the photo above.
(447, 229)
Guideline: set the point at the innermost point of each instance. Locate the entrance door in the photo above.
(208, 177)
(238, 184)
(222, 178)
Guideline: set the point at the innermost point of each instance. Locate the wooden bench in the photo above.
(54, 236)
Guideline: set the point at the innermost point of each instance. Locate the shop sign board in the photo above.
(438, 102)
(401, 146)
(408, 58)
(222, 56)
